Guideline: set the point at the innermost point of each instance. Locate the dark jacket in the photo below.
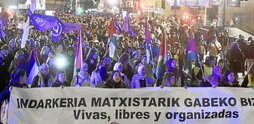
(58, 84)
(5, 94)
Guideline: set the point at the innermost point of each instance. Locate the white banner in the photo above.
(136, 106)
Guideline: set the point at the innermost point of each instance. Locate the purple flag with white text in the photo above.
(57, 31)
(44, 23)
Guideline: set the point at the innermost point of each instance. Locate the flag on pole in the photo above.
(148, 43)
(126, 24)
(79, 55)
(44, 23)
(111, 28)
(33, 66)
(192, 51)
(78, 62)
(57, 31)
(118, 27)
(163, 57)
(25, 34)
(113, 47)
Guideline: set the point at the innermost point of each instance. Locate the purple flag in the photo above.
(57, 31)
(118, 27)
(192, 51)
(126, 24)
(44, 23)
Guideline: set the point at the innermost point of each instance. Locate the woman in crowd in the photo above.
(139, 80)
(96, 80)
(92, 60)
(19, 62)
(115, 81)
(45, 53)
(229, 80)
(172, 76)
(43, 78)
(83, 78)
(119, 67)
(60, 79)
(127, 70)
(215, 77)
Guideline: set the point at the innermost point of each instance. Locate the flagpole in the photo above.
(202, 71)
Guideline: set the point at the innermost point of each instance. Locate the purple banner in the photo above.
(71, 27)
(44, 23)
(57, 31)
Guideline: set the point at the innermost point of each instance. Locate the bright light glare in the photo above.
(13, 7)
(60, 62)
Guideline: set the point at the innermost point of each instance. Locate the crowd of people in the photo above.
(209, 68)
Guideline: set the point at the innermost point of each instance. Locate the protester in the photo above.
(115, 81)
(43, 78)
(229, 80)
(139, 80)
(119, 67)
(172, 76)
(131, 59)
(215, 77)
(19, 80)
(60, 79)
(96, 80)
(83, 78)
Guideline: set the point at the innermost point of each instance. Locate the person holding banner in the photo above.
(229, 80)
(215, 77)
(119, 67)
(139, 80)
(60, 79)
(83, 78)
(172, 76)
(115, 81)
(43, 78)
(96, 80)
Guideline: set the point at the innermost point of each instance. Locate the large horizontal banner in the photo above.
(131, 106)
